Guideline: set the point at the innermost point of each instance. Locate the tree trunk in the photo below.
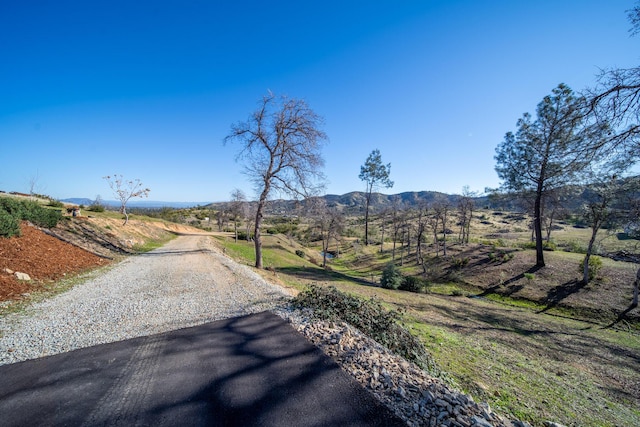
(636, 285)
(325, 248)
(444, 236)
(257, 235)
(585, 266)
(537, 226)
(382, 239)
(123, 210)
(366, 220)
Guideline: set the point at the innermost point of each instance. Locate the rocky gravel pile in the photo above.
(410, 392)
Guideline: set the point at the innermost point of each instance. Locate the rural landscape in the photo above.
(511, 306)
(535, 344)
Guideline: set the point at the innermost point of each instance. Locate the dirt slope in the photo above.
(75, 245)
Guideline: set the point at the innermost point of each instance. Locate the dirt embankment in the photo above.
(75, 245)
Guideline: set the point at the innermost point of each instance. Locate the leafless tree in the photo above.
(442, 209)
(397, 220)
(383, 224)
(421, 227)
(125, 190)
(615, 102)
(236, 209)
(465, 213)
(34, 184)
(328, 221)
(281, 143)
(434, 221)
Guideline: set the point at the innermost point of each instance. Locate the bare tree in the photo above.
(374, 173)
(397, 220)
(442, 209)
(383, 224)
(421, 227)
(281, 143)
(249, 216)
(328, 221)
(610, 201)
(34, 184)
(236, 209)
(465, 213)
(615, 102)
(125, 190)
(434, 221)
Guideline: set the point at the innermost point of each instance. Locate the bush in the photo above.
(576, 247)
(46, 218)
(460, 263)
(9, 226)
(370, 318)
(391, 277)
(413, 284)
(96, 208)
(300, 253)
(595, 265)
(30, 211)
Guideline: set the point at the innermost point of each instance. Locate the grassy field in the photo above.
(501, 336)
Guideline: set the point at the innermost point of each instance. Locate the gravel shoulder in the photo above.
(184, 283)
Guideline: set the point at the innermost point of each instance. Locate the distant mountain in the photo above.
(353, 203)
(148, 204)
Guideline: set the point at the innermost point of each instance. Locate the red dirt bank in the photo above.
(42, 257)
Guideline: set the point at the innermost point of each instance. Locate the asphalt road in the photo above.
(254, 370)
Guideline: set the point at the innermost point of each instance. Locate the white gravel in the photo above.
(184, 283)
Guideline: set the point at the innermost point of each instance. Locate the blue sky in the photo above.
(149, 89)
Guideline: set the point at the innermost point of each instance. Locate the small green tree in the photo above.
(391, 277)
(374, 173)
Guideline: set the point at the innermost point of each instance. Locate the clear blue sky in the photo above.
(149, 89)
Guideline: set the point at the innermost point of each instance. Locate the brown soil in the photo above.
(558, 285)
(43, 257)
(75, 245)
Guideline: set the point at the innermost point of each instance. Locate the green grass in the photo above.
(152, 244)
(517, 367)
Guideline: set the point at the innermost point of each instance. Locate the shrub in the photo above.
(412, 284)
(96, 208)
(370, 317)
(595, 265)
(460, 263)
(576, 247)
(9, 226)
(46, 218)
(30, 211)
(529, 276)
(391, 277)
(300, 253)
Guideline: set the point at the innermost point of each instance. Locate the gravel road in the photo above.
(184, 283)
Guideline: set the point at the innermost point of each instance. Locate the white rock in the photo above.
(22, 276)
